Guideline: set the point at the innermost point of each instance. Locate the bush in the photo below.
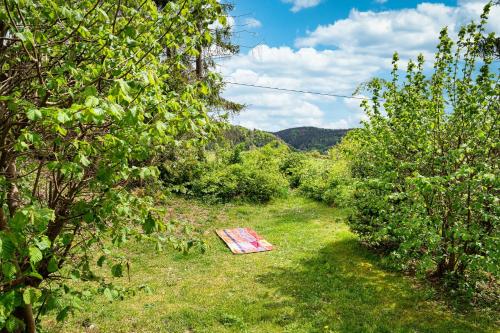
(179, 167)
(372, 214)
(255, 178)
(428, 162)
(291, 167)
(261, 185)
(313, 178)
(219, 184)
(322, 179)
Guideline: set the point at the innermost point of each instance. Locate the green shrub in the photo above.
(262, 185)
(313, 179)
(255, 178)
(179, 167)
(219, 184)
(291, 166)
(240, 182)
(373, 210)
(428, 162)
(325, 180)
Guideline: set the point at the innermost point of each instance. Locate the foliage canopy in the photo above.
(90, 92)
(429, 160)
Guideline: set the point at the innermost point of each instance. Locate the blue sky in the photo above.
(328, 46)
(281, 26)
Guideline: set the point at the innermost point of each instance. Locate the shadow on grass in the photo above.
(342, 290)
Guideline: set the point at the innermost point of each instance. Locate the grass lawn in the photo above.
(318, 279)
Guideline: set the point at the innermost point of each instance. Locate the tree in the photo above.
(87, 95)
(429, 159)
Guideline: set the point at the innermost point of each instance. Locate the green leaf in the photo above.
(124, 90)
(75, 274)
(61, 130)
(62, 117)
(204, 89)
(151, 78)
(34, 114)
(84, 32)
(91, 101)
(149, 225)
(9, 301)
(83, 160)
(43, 243)
(117, 270)
(8, 248)
(222, 20)
(25, 36)
(160, 126)
(52, 266)
(31, 295)
(35, 275)
(101, 260)
(63, 314)
(20, 220)
(108, 294)
(35, 255)
(12, 324)
(9, 270)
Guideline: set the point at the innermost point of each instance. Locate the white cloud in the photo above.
(217, 25)
(302, 4)
(381, 33)
(409, 31)
(381, 1)
(361, 47)
(303, 69)
(252, 22)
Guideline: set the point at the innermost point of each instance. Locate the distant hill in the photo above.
(311, 138)
(235, 135)
(301, 138)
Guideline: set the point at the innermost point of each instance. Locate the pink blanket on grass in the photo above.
(243, 240)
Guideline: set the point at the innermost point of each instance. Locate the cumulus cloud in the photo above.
(252, 22)
(409, 31)
(381, 33)
(298, 5)
(336, 58)
(304, 69)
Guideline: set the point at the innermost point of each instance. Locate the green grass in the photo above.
(318, 279)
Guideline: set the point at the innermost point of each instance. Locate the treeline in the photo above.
(312, 138)
(234, 135)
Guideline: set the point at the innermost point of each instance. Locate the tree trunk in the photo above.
(25, 312)
(441, 268)
(3, 220)
(12, 192)
(199, 65)
(199, 58)
(29, 319)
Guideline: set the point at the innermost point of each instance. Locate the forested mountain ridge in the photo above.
(311, 138)
(235, 134)
(301, 138)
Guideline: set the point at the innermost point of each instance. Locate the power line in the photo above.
(296, 90)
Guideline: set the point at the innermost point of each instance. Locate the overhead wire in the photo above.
(297, 90)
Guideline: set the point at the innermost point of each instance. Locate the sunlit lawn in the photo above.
(318, 279)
